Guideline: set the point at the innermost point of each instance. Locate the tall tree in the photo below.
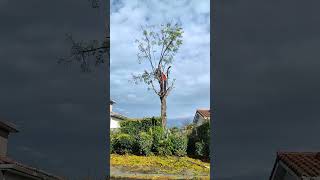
(157, 47)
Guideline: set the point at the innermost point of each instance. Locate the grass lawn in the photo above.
(158, 167)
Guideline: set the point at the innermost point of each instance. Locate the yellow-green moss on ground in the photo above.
(125, 165)
(158, 177)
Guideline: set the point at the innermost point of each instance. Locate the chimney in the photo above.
(111, 103)
(5, 129)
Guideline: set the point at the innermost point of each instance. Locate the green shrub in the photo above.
(134, 127)
(204, 132)
(113, 137)
(199, 148)
(158, 136)
(179, 144)
(144, 143)
(199, 141)
(204, 135)
(162, 144)
(174, 130)
(123, 143)
(112, 141)
(165, 147)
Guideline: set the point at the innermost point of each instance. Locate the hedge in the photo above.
(147, 136)
(134, 127)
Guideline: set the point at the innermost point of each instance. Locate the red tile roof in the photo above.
(302, 163)
(7, 163)
(205, 113)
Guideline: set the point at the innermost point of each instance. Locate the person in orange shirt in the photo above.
(164, 81)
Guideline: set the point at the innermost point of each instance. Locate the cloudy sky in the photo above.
(266, 84)
(192, 63)
(59, 110)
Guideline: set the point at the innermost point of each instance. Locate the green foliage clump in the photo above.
(164, 148)
(112, 142)
(204, 132)
(162, 144)
(122, 143)
(158, 135)
(134, 127)
(199, 141)
(179, 144)
(144, 143)
(199, 148)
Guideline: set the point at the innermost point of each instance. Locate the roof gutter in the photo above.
(25, 172)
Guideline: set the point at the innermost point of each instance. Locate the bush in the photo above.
(144, 143)
(123, 143)
(204, 132)
(148, 139)
(199, 148)
(175, 130)
(162, 144)
(158, 136)
(164, 148)
(199, 141)
(112, 142)
(134, 127)
(179, 144)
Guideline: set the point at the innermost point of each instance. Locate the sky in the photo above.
(191, 67)
(265, 84)
(60, 111)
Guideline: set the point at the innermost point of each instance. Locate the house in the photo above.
(296, 166)
(115, 118)
(13, 170)
(201, 116)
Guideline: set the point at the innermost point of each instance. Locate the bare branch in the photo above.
(169, 89)
(146, 50)
(83, 52)
(168, 72)
(154, 89)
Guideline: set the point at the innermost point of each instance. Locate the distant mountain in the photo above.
(179, 122)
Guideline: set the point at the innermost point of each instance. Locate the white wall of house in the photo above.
(198, 120)
(114, 123)
(114, 120)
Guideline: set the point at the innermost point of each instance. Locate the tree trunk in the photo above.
(164, 111)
